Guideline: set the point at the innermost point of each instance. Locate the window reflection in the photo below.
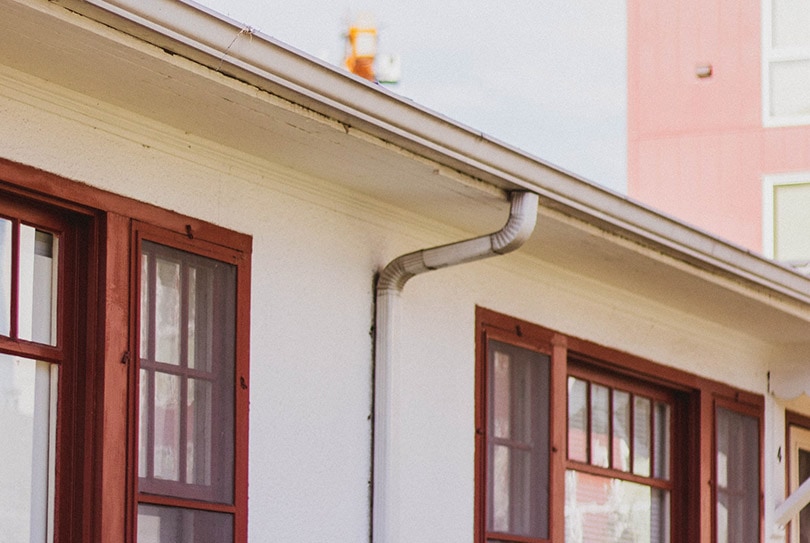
(5, 277)
(605, 510)
(28, 413)
(37, 285)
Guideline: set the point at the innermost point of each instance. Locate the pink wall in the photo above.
(697, 148)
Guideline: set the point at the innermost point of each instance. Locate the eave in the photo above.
(170, 60)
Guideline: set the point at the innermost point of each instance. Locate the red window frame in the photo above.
(177, 494)
(74, 349)
(636, 389)
(754, 412)
(692, 427)
(97, 474)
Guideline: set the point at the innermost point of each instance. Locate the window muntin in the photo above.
(518, 443)
(737, 473)
(613, 428)
(187, 392)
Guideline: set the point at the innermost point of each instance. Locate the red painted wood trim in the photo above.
(28, 349)
(559, 436)
(112, 490)
(144, 231)
(96, 435)
(74, 196)
(695, 401)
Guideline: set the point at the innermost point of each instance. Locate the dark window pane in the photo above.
(187, 381)
(159, 524)
(737, 465)
(661, 438)
(804, 514)
(517, 468)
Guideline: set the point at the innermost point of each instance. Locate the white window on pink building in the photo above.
(785, 200)
(786, 62)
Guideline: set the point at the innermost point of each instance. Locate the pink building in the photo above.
(719, 118)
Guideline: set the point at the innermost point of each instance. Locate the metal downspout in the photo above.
(518, 229)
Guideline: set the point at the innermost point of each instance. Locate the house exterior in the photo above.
(249, 297)
(718, 118)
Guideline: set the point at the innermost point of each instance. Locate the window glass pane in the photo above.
(5, 277)
(144, 424)
(737, 465)
(28, 413)
(605, 510)
(167, 308)
(167, 426)
(501, 400)
(791, 19)
(641, 436)
(187, 383)
(501, 488)
(790, 88)
(159, 524)
(518, 441)
(198, 432)
(37, 286)
(600, 428)
(577, 419)
(146, 296)
(661, 437)
(792, 222)
(621, 430)
(201, 318)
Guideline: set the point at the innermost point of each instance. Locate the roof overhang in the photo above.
(170, 60)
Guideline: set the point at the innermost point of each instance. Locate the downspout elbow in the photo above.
(516, 231)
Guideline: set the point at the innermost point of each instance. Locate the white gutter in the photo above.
(518, 229)
(199, 34)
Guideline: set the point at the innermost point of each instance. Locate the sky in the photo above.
(548, 77)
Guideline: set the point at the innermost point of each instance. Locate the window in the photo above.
(798, 471)
(618, 483)
(41, 364)
(186, 395)
(124, 343)
(580, 443)
(517, 442)
(786, 62)
(785, 220)
(737, 473)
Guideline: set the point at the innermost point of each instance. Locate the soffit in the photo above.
(50, 43)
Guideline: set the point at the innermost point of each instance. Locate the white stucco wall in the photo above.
(316, 249)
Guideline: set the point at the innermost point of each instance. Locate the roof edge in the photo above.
(184, 28)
